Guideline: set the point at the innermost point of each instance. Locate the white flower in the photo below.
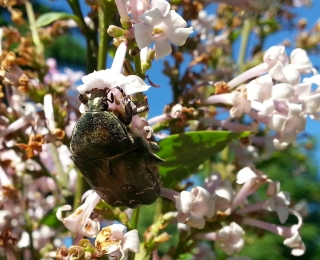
(114, 242)
(282, 91)
(161, 26)
(259, 89)
(230, 238)
(48, 111)
(295, 242)
(240, 105)
(176, 111)
(301, 62)
(222, 192)
(279, 68)
(251, 179)
(79, 221)
(253, 176)
(194, 206)
(111, 78)
(4, 179)
(139, 7)
(279, 203)
(224, 196)
(204, 23)
(40, 237)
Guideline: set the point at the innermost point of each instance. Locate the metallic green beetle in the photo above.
(114, 158)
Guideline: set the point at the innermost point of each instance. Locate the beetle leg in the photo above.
(111, 100)
(83, 98)
(121, 91)
(140, 106)
(126, 115)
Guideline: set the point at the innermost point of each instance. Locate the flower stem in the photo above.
(137, 65)
(135, 218)
(34, 32)
(134, 225)
(91, 37)
(104, 21)
(78, 190)
(246, 29)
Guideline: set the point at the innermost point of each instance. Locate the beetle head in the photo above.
(96, 100)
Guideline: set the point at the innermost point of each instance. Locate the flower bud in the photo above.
(115, 31)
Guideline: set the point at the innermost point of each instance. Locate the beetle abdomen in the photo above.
(126, 180)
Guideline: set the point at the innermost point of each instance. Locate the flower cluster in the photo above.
(155, 22)
(282, 106)
(217, 170)
(219, 199)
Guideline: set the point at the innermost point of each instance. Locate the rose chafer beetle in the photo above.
(114, 158)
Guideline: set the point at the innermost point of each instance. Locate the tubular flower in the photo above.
(79, 221)
(194, 206)
(279, 203)
(111, 78)
(161, 26)
(230, 238)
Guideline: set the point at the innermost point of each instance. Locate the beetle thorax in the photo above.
(97, 104)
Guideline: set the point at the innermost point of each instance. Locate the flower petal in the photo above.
(277, 122)
(196, 221)
(162, 5)
(300, 60)
(117, 231)
(134, 85)
(283, 213)
(245, 174)
(142, 34)
(131, 241)
(162, 48)
(282, 91)
(184, 201)
(179, 36)
(175, 19)
(152, 17)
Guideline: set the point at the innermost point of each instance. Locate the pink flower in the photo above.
(291, 234)
(230, 238)
(251, 179)
(194, 206)
(295, 242)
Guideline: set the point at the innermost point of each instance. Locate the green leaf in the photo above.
(50, 219)
(183, 153)
(47, 18)
(234, 35)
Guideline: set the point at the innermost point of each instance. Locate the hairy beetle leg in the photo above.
(140, 106)
(131, 108)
